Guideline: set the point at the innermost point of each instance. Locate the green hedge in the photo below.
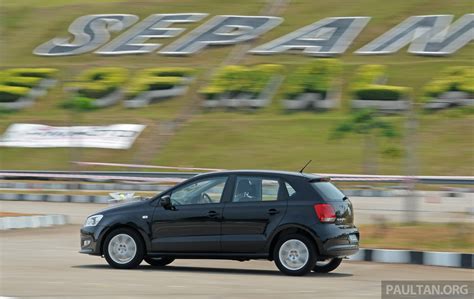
(144, 83)
(33, 72)
(368, 74)
(158, 79)
(315, 77)
(365, 87)
(382, 92)
(171, 71)
(17, 82)
(12, 93)
(25, 77)
(98, 82)
(80, 103)
(29, 82)
(452, 79)
(237, 79)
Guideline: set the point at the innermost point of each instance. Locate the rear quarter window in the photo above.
(328, 191)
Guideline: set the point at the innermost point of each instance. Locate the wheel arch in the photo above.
(144, 237)
(289, 229)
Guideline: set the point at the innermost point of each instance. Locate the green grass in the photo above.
(269, 138)
(450, 237)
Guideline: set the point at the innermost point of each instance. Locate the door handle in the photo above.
(273, 211)
(212, 214)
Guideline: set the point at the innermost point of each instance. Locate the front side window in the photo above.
(256, 189)
(200, 192)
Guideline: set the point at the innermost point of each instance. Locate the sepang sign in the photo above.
(433, 35)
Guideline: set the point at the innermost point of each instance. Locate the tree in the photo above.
(368, 124)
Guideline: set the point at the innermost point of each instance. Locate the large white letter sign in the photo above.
(222, 30)
(328, 37)
(90, 32)
(427, 35)
(155, 26)
(446, 41)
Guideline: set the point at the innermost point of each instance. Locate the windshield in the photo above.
(328, 191)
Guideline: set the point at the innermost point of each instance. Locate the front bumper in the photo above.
(90, 240)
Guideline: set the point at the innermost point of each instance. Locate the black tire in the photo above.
(139, 253)
(311, 251)
(331, 266)
(159, 261)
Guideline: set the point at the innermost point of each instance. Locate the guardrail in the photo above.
(175, 177)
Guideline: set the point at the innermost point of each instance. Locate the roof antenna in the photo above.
(301, 171)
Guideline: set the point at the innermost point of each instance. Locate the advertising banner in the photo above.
(120, 136)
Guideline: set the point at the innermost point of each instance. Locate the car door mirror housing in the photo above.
(165, 202)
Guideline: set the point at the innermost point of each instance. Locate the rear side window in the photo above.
(289, 189)
(256, 189)
(328, 191)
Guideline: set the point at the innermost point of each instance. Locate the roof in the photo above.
(264, 172)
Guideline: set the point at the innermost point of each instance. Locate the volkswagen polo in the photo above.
(300, 221)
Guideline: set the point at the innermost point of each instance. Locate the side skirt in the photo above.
(211, 255)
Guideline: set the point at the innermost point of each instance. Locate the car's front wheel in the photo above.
(158, 261)
(295, 255)
(327, 266)
(124, 249)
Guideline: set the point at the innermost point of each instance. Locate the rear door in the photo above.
(341, 203)
(257, 206)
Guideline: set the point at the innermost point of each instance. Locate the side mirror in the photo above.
(165, 202)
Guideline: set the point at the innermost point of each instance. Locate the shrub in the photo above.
(365, 87)
(367, 74)
(382, 92)
(237, 79)
(270, 68)
(33, 72)
(211, 92)
(457, 78)
(29, 82)
(144, 83)
(98, 82)
(80, 103)
(315, 77)
(12, 93)
(467, 87)
(158, 79)
(94, 90)
(171, 71)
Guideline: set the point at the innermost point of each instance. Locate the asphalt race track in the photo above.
(45, 263)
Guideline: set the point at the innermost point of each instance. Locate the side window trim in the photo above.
(226, 183)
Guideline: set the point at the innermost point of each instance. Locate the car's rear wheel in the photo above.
(327, 265)
(158, 261)
(295, 255)
(124, 249)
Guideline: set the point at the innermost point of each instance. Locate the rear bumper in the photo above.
(340, 242)
(342, 250)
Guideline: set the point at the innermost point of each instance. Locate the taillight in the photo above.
(325, 212)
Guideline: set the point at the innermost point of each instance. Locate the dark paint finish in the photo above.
(231, 230)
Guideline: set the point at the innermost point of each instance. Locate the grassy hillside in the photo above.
(269, 138)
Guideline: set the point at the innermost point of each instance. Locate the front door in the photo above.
(257, 207)
(194, 222)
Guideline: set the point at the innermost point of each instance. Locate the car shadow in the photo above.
(230, 271)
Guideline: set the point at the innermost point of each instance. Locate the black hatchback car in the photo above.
(300, 221)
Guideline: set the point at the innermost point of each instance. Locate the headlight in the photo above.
(93, 220)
